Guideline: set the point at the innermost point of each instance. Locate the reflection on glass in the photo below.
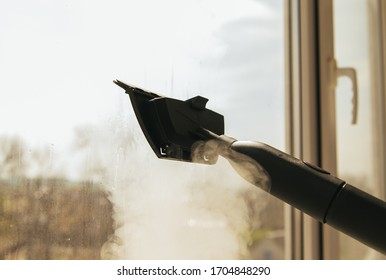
(77, 177)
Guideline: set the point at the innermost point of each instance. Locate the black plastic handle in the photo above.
(320, 195)
(302, 185)
(360, 215)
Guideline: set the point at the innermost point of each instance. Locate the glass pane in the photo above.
(359, 155)
(77, 177)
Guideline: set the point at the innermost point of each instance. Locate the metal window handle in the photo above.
(350, 73)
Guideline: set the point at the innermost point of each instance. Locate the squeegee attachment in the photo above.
(173, 126)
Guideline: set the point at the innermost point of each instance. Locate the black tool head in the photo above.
(173, 126)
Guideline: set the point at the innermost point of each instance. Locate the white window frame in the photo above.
(311, 112)
(302, 94)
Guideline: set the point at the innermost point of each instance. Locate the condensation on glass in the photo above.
(77, 177)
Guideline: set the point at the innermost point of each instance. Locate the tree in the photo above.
(13, 161)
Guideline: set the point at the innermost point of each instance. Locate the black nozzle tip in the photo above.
(130, 89)
(122, 85)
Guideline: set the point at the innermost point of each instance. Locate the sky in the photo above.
(58, 60)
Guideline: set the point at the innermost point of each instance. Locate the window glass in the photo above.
(78, 178)
(359, 146)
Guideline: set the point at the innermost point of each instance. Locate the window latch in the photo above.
(350, 73)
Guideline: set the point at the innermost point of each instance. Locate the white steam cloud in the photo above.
(173, 210)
